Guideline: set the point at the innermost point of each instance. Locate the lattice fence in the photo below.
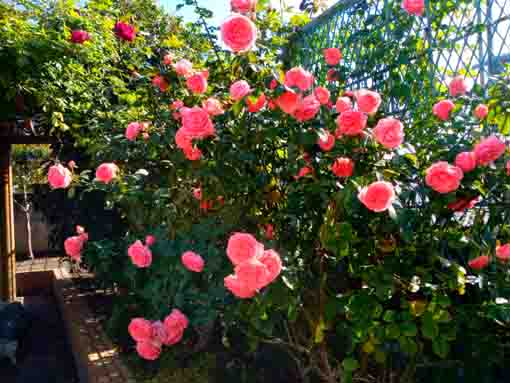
(470, 39)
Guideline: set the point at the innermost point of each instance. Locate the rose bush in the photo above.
(384, 232)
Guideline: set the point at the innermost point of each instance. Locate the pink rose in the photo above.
(463, 203)
(213, 106)
(253, 273)
(503, 252)
(140, 254)
(442, 109)
(133, 130)
(414, 7)
(271, 259)
(242, 247)
(458, 86)
(332, 75)
(343, 167)
(351, 123)
(197, 83)
(168, 59)
(79, 36)
(206, 205)
(183, 67)
(288, 101)
(161, 83)
(73, 247)
(389, 132)
(343, 104)
(303, 172)
(322, 94)
(377, 196)
(149, 349)
(481, 111)
(466, 161)
(80, 230)
(192, 153)
(269, 231)
(197, 193)
(238, 33)
(175, 324)
(299, 78)
(257, 105)
(140, 329)
(150, 240)
(239, 89)
(125, 31)
(489, 150)
(332, 56)
(367, 100)
(192, 261)
(182, 139)
(307, 109)
(159, 333)
(243, 6)
(59, 177)
(479, 263)
(443, 177)
(196, 123)
(71, 164)
(326, 141)
(106, 172)
(273, 84)
(238, 287)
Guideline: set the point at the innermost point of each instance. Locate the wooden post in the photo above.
(7, 239)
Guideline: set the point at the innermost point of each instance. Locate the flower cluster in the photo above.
(151, 336)
(73, 246)
(255, 268)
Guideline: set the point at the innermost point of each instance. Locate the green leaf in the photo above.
(350, 364)
(441, 347)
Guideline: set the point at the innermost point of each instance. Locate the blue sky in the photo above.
(220, 9)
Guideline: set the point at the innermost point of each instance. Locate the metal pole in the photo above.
(7, 239)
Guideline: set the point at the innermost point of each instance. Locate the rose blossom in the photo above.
(351, 123)
(197, 83)
(257, 105)
(149, 349)
(332, 56)
(307, 109)
(192, 261)
(192, 153)
(140, 329)
(343, 167)
(242, 247)
(175, 324)
(196, 123)
(213, 106)
(343, 104)
(253, 273)
(304, 171)
(288, 101)
(271, 259)
(377, 196)
(161, 83)
(414, 7)
(326, 141)
(125, 31)
(503, 252)
(368, 101)
(140, 254)
(466, 161)
(59, 177)
(168, 59)
(332, 75)
(299, 78)
(458, 86)
(150, 240)
(389, 132)
(442, 109)
(239, 89)
(481, 111)
(71, 164)
(322, 94)
(106, 172)
(238, 33)
(133, 130)
(243, 6)
(183, 67)
(238, 287)
(269, 231)
(489, 149)
(80, 230)
(197, 193)
(73, 246)
(443, 177)
(479, 263)
(79, 37)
